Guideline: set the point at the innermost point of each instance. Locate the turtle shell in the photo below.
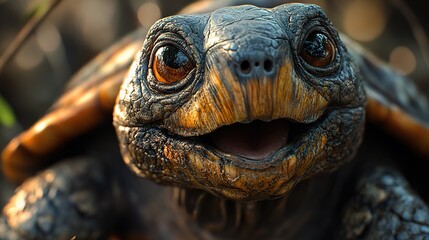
(393, 104)
(88, 101)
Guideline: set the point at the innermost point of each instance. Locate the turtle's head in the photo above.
(244, 102)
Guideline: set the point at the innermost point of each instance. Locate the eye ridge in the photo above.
(318, 50)
(171, 64)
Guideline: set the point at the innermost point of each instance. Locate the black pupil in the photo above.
(172, 56)
(316, 45)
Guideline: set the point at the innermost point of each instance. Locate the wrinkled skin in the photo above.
(247, 72)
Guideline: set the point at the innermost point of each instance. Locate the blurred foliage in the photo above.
(39, 9)
(7, 118)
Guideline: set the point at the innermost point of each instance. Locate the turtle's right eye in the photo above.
(318, 50)
(171, 64)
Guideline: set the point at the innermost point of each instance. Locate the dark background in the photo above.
(76, 31)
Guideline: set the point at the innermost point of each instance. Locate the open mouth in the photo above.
(257, 140)
(242, 161)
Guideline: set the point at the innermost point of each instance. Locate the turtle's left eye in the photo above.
(318, 50)
(171, 64)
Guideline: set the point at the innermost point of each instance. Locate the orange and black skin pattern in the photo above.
(250, 65)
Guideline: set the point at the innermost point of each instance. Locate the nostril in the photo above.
(268, 65)
(245, 67)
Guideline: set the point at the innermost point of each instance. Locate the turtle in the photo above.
(249, 122)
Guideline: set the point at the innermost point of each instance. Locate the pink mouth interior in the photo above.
(256, 140)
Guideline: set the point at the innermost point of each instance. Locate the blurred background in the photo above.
(76, 31)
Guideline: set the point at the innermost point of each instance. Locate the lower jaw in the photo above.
(180, 162)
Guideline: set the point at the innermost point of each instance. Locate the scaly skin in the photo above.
(385, 207)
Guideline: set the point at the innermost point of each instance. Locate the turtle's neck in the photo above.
(228, 218)
(308, 212)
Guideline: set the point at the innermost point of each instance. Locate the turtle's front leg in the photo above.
(385, 207)
(73, 198)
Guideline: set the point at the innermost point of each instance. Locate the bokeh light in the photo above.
(148, 13)
(97, 18)
(403, 60)
(364, 20)
(30, 55)
(48, 37)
